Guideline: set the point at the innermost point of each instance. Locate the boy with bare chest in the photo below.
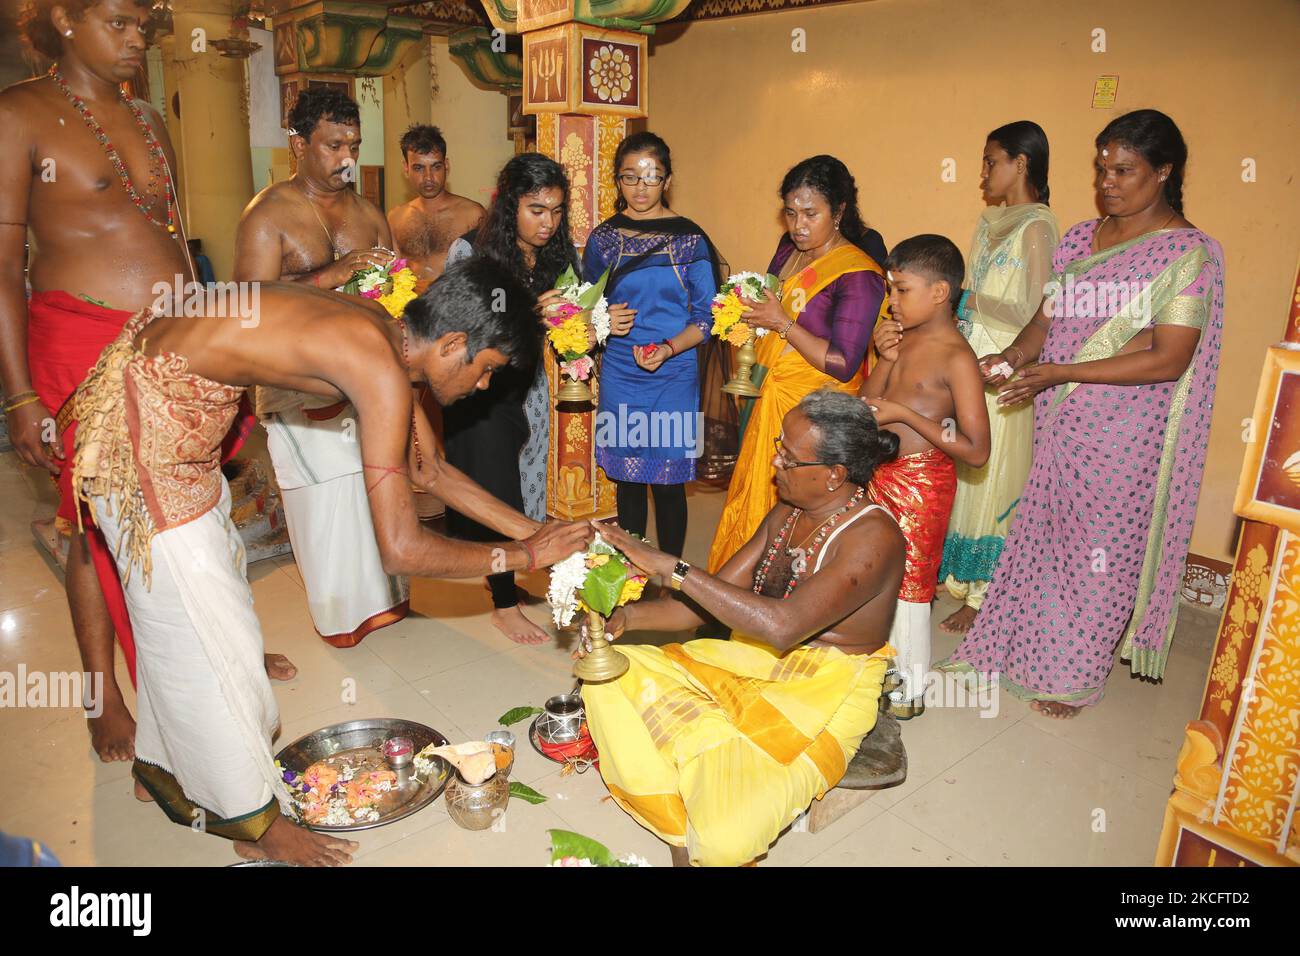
(927, 389)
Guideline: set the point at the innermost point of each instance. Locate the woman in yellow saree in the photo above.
(832, 292)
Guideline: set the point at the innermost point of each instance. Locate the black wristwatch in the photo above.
(680, 570)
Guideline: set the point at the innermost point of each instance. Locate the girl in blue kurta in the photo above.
(649, 430)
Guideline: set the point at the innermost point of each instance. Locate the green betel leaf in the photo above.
(353, 285)
(525, 792)
(567, 278)
(604, 585)
(567, 843)
(589, 298)
(516, 714)
(772, 282)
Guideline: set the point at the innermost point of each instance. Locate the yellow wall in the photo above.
(472, 120)
(893, 87)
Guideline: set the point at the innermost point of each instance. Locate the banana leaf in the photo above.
(567, 843)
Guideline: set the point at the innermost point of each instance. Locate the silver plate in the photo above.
(360, 743)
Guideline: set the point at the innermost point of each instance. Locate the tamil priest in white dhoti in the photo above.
(147, 462)
(152, 414)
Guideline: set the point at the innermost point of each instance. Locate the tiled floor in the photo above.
(1014, 788)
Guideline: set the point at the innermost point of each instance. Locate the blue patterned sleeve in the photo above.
(595, 255)
(700, 291)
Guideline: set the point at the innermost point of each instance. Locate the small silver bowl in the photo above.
(561, 720)
(506, 739)
(399, 752)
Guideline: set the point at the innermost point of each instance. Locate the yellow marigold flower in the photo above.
(569, 337)
(632, 588)
(395, 302)
(726, 314)
(738, 335)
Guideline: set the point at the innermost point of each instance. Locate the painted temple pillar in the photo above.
(584, 78)
(1237, 781)
(333, 44)
(212, 145)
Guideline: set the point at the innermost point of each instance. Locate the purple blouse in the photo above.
(844, 313)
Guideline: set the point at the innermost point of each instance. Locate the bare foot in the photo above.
(959, 621)
(279, 667)
(286, 842)
(511, 622)
(142, 794)
(112, 733)
(1055, 709)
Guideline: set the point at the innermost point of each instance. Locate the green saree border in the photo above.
(1120, 328)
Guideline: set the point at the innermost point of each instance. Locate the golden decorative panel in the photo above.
(1263, 758)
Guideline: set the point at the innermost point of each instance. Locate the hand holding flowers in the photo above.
(392, 285)
(567, 328)
(597, 579)
(744, 304)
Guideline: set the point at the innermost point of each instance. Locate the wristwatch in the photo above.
(680, 570)
(785, 331)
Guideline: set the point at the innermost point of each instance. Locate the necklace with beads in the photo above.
(157, 159)
(415, 432)
(760, 576)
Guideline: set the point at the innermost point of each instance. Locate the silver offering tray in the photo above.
(359, 743)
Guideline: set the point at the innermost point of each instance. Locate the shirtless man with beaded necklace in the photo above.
(715, 746)
(89, 172)
(780, 588)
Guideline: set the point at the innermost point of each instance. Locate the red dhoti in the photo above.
(64, 338)
(918, 490)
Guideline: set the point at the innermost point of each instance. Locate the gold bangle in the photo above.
(26, 398)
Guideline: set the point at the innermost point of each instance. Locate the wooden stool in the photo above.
(880, 763)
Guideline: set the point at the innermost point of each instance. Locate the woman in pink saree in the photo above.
(1120, 363)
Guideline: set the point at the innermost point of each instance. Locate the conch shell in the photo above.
(474, 759)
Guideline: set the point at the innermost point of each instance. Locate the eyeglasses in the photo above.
(787, 463)
(631, 179)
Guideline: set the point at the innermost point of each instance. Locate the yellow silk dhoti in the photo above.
(718, 746)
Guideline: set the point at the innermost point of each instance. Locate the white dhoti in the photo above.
(318, 467)
(205, 714)
(910, 637)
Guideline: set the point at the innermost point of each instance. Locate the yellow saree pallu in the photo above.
(719, 745)
(751, 494)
